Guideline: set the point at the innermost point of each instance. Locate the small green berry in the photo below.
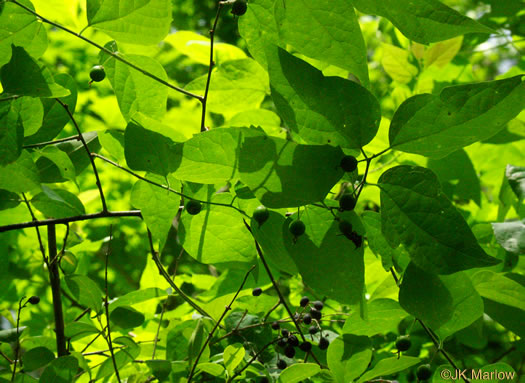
(349, 163)
(403, 343)
(193, 207)
(424, 372)
(97, 73)
(261, 215)
(297, 228)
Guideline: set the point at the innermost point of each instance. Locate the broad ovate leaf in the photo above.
(416, 213)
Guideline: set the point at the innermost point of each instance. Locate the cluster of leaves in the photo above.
(368, 153)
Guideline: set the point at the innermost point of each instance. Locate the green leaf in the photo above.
(389, 366)
(509, 317)
(270, 238)
(127, 317)
(442, 53)
(424, 21)
(60, 370)
(321, 110)
(159, 368)
(349, 356)
(158, 206)
(11, 334)
(112, 140)
(57, 203)
(61, 161)
(8, 200)
(383, 316)
(376, 241)
(20, 176)
(233, 355)
(211, 368)
(280, 175)
(144, 22)
(216, 235)
(511, 236)
(31, 111)
(11, 133)
(236, 86)
(78, 330)
(437, 125)
(48, 169)
(22, 29)
(55, 116)
(22, 76)
(85, 291)
(516, 178)
(323, 255)
(457, 176)
(136, 297)
(196, 343)
(457, 304)
(415, 212)
(135, 91)
(499, 288)
(298, 372)
(123, 357)
(36, 358)
(396, 64)
(311, 30)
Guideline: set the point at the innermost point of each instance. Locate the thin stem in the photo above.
(158, 329)
(40, 243)
(17, 347)
(116, 56)
(274, 307)
(166, 276)
(166, 187)
(274, 282)
(84, 143)
(253, 359)
(210, 335)
(84, 217)
(54, 142)
(363, 182)
(6, 357)
(210, 68)
(54, 279)
(106, 304)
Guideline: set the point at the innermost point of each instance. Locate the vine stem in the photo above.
(84, 217)
(165, 275)
(106, 305)
(84, 144)
(166, 187)
(54, 142)
(33, 217)
(431, 335)
(204, 99)
(116, 56)
(210, 335)
(17, 347)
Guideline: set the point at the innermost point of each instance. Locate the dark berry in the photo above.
(313, 330)
(239, 7)
(307, 319)
(403, 343)
(193, 207)
(347, 202)
(293, 341)
(349, 163)
(281, 364)
(285, 333)
(276, 325)
(356, 239)
(316, 314)
(297, 228)
(345, 228)
(424, 372)
(289, 352)
(256, 291)
(318, 305)
(97, 73)
(323, 343)
(34, 300)
(305, 346)
(261, 215)
(282, 342)
(304, 301)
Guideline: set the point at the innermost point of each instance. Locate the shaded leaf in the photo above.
(57, 203)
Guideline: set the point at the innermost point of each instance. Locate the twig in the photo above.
(40, 243)
(84, 143)
(274, 307)
(107, 51)
(253, 359)
(158, 329)
(54, 279)
(210, 335)
(106, 304)
(17, 347)
(84, 217)
(166, 276)
(166, 187)
(54, 142)
(6, 357)
(204, 99)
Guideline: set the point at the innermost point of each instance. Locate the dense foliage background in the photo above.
(427, 95)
